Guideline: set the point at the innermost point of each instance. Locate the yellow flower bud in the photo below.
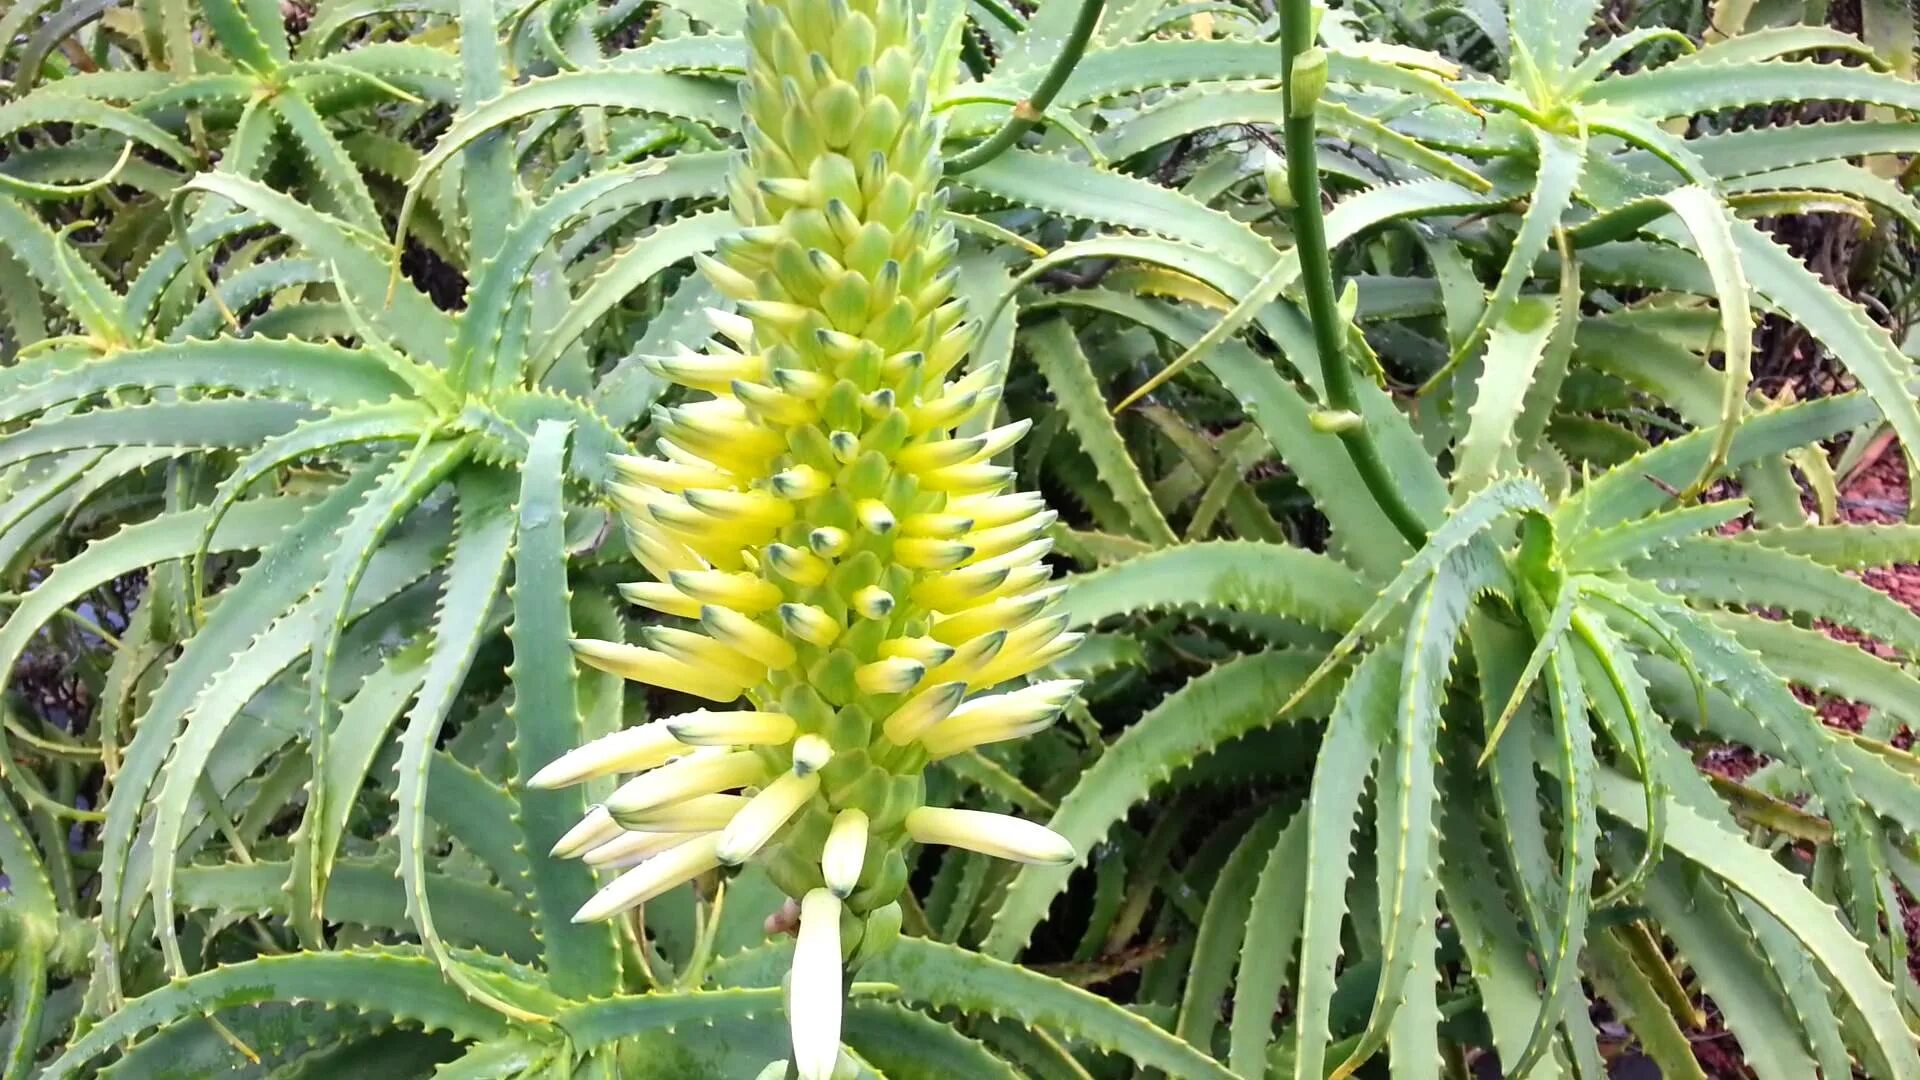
(764, 815)
(989, 834)
(632, 750)
(846, 851)
(651, 878)
(702, 772)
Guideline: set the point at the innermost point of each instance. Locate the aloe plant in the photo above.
(1404, 591)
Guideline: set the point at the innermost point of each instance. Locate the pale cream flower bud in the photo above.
(651, 878)
(815, 987)
(742, 728)
(764, 816)
(998, 835)
(703, 772)
(633, 749)
(846, 852)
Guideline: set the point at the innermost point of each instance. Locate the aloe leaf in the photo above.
(35, 920)
(1687, 89)
(1276, 907)
(1561, 162)
(1219, 939)
(1515, 346)
(914, 1046)
(1058, 355)
(364, 723)
(623, 274)
(1626, 492)
(1481, 511)
(1549, 33)
(1629, 989)
(950, 977)
(1729, 572)
(403, 483)
(1838, 177)
(1732, 154)
(1230, 575)
(321, 374)
(1081, 191)
(1705, 928)
(497, 286)
(218, 705)
(1213, 709)
(1357, 733)
(1361, 532)
(482, 551)
(547, 723)
(364, 892)
(401, 983)
(1843, 547)
(1607, 549)
(1839, 324)
(406, 317)
(682, 96)
(1407, 878)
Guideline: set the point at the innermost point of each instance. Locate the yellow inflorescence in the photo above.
(826, 544)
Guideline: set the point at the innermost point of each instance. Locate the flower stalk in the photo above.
(1303, 75)
(1031, 110)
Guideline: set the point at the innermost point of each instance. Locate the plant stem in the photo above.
(1027, 114)
(1316, 276)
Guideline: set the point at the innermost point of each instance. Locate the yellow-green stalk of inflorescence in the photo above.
(857, 572)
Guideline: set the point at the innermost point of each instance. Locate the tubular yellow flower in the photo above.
(651, 878)
(702, 772)
(742, 592)
(633, 848)
(660, 597)
(813, 995)
(999, 717)
(655, 668)
(989, 834)
(634, 750)
(590, 832)
(763, 816)
(845, 852)
(702, 813)
(743, 728)
(843, 557)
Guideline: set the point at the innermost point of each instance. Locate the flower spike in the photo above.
(843, 558)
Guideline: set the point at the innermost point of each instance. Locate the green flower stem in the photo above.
(1316, 274)
(1028, 114)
